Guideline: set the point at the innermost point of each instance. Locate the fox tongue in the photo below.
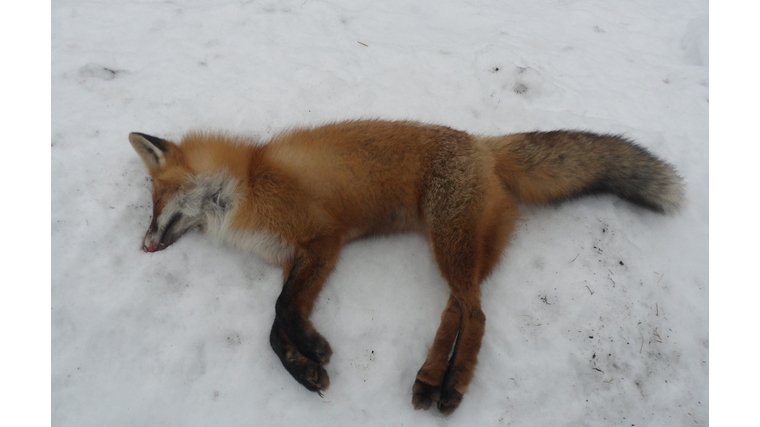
(152, 247)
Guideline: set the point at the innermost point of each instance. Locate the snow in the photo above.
(597, 314)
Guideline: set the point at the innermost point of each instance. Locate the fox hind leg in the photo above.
(426, 389)
(450, 364)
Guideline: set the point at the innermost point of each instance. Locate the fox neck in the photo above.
(225, 196)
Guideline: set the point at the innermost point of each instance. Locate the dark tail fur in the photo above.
(543, 167)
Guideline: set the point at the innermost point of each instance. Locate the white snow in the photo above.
(597, 314)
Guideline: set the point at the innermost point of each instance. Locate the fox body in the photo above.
(296, 200)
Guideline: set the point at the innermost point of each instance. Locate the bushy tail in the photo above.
(543, 167)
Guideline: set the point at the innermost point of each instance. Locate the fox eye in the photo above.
(216, 199)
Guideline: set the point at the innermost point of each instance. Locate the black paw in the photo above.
(316, 348)
(309, 374)
(423, 395)
(305, 370)
(450, 400)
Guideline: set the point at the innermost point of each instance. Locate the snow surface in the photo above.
(597, 314)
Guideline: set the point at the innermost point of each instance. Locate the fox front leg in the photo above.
(301, 349)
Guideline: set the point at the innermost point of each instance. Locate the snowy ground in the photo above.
(597, 314)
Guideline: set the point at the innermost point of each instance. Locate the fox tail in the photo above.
(545, 167)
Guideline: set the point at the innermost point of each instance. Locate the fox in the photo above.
(297, 199)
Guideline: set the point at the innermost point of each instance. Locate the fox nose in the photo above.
(151, 244)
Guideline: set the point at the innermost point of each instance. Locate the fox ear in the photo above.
(151, 149)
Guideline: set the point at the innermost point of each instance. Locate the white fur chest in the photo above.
(263, 244)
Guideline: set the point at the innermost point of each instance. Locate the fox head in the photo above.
(182, 199)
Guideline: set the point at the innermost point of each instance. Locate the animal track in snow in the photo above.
(97, 71)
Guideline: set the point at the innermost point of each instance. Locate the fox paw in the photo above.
(313, 377)
(450, 400)
(316, 348)
(446, 398)
(423, 394)
(307, 369)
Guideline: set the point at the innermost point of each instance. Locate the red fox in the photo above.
(296, 200)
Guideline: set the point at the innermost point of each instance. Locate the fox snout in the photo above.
(162, 232)
(152, 244)
(154, 239)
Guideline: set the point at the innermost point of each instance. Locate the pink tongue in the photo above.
(152, 248)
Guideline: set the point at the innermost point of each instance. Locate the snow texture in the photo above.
(597, 313)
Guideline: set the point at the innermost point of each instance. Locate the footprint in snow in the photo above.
(98, 71)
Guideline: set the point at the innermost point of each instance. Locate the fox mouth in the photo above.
(152, 247)
(154, 243)
(159, 238)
